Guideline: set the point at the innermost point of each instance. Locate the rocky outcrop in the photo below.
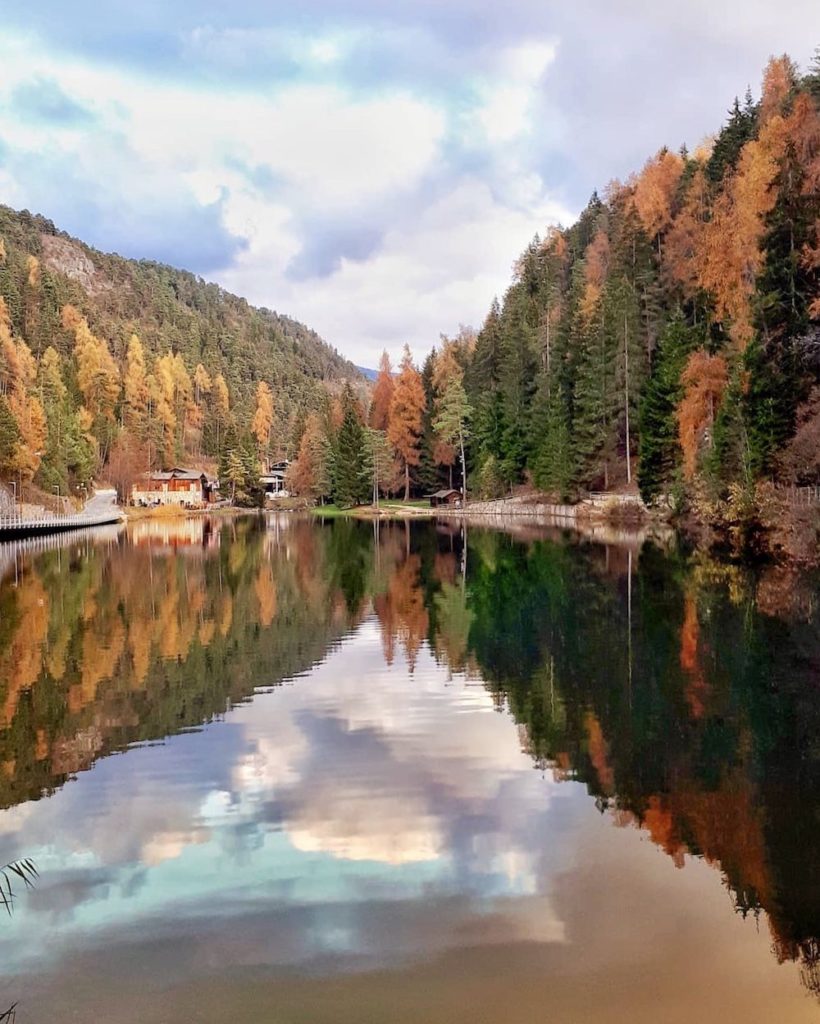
(66, 257)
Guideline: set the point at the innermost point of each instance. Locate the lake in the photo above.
(284, 770)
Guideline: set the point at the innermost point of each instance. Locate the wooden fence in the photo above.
(800, 497)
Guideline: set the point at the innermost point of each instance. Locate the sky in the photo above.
(370, 168)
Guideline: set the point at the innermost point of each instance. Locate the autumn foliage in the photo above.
(704, 379)
(406, 409)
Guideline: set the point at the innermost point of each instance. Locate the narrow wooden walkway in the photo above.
(12, 527)
(15, 551)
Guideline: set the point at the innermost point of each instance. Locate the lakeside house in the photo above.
(272, 480)
(448, 498)
(189, 488)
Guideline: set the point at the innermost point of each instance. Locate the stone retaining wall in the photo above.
(516, 507)
(596, 506)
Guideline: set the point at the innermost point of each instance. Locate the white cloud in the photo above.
(285, 162)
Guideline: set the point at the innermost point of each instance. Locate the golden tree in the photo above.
(655, 189)
(97, 375)
(135, 385)
(596, 267)
(779, 80)
(704, 379)
(684, 240)
(382, 395)
(406, 411)
(731, 256)
(222, 406)
(263, 418)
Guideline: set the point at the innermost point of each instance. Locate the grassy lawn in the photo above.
(334, 512)
(412, 503)
(331, 511)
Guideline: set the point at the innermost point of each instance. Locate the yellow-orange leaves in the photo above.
(732, 256)
(778, 81)
(684, 240)
(263, 416)
(596, 265)
(655, 190)
(406, 409)
(97, 373)
(382, 395)
(705, 380)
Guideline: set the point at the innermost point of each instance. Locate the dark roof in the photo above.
(177, 474)
(446, 493)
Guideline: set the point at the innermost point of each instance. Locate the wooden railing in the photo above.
(800, 497)
(15, 524)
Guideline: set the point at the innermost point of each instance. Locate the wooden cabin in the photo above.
(189, 488)
(447, 498)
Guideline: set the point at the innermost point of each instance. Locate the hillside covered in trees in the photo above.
(671, 337)
(111, 366)
(669, 341)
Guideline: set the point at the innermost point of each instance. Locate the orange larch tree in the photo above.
(779, 81)
(655, 190)
(731, 255)
(263, 418)
(684, 240)
(704, 378)
(406, 410)
(382, 395)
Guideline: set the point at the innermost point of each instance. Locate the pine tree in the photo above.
(659, 453)
(482, 384)
(738, 130)
(453, 410)
(553, 468)
(9, 439)
(352, 478)
(517, 377)
(234, 472)
(428, 473)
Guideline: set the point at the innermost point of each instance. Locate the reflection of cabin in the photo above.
(190, 488)
(449, 498)
(273, 480)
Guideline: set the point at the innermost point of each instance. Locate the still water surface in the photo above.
(285, 771)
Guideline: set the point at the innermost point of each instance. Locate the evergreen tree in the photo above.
(481, 383)
(428, 472)
(9, 439)
(352, 476)
(738, 130)
(595, 401)
(811, 81)
(453, 410)
(768, 404)
(517, 376)
(554, 461)
(659, 447)
(730, 456)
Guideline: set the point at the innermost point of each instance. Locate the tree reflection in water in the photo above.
(682, 692)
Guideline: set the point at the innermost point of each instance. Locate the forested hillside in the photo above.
(672, 335)
(669, 341)
(109, 365)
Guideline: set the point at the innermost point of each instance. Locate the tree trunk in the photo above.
(626, 400)
(406, 480)
(463, 471)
